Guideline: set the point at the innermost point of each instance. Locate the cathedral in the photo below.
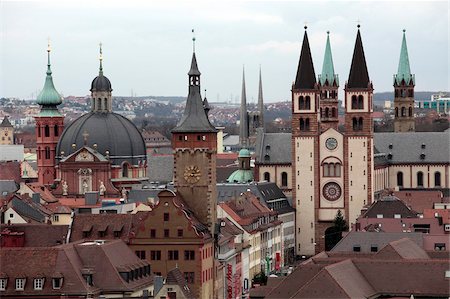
(99, 151)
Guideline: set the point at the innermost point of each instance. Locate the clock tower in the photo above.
(194, 141)
(6, 132)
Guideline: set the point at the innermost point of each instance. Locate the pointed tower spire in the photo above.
(49, 98)
(100, 57)
(243, 126)
(195, 118)
(260, 101)
(359, 76)
(404, 71)
(328, 76)
(306, 77)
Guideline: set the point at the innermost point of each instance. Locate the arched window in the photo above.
(125, 170)
(331, 169)
(410, 93)
(321, 113)
(267, 158)
(308, 103)
(326, 171)
(396, 111)
(307, 124)
(403, 111)
(47, 152)
(400, 179)
(301, 103)
(354, 102)
(360, 102)
(410, 112)
(337, 169)
(327, 112)
(333, 112)
(47, 131)
(420, 179)
(355, 124)
(39, 131)
(56, 130)
(302, 124)
(284, 179)
(267, 176)
(105, 104)
(437, 179)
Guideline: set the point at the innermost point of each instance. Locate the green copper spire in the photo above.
(404, 71)
(49, 98)
(328, 67)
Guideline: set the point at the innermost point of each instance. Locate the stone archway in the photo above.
(332, 237)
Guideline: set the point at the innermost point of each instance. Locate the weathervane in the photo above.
(193, 40)
(306, 25)
(359, 23)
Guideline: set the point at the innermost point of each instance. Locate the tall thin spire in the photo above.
(260, 101)
(359, 76)
(101, 60)
(243, 125)
(328, 66)
(49, 71)
(306, 77)
(404, 71)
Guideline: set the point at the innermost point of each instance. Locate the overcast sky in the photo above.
(147, 47)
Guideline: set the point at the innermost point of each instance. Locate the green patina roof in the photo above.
(244, 153)
(49, 96)
(404, 71)
(328, 67)
(241, 176)
(49, 112)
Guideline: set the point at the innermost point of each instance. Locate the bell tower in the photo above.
(404, 83)
(49, 127)
(194, 141)
(328, 84)
(305, 149)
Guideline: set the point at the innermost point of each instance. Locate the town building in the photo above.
(169, 236)
(69, 270)
(6, 132)
(404, 83)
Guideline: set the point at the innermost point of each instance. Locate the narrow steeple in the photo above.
(306, 77)
(328, 76)
(195, 118)
(100, 57)
(260, 101)
(243, 125)
(359, 76)
(404, 71)
(49, 98)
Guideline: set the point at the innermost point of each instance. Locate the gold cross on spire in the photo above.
(85, 137)
(101, 53)
(48, 45)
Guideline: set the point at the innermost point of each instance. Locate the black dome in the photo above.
(101, 83)
(110, 131)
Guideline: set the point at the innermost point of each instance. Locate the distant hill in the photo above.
(170, 99)
(389, 95)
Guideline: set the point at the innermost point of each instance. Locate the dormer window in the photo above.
(20, 284)
(3, 282)
(38, 283)
(57, 282)
(89, 279)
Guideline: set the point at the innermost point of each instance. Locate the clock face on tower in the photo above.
(331, 143)
(331, 191)
(192, 174)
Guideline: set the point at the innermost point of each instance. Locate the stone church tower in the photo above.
(194, 141)
(6, 132)
(332, 170)
(49, 127)
(404, 83)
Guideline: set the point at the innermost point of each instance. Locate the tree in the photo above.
(333, 234)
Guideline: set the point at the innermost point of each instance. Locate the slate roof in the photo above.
(408, 147)
(175, 277)
(273, 148)
(7, 186)
(388, 207)
(368, 239)
(194, 118)
(160, 168)
(359, 76)
(39, 235)
(306, 77)
(6, 123)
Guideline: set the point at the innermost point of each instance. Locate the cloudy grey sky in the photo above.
(147, 46)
